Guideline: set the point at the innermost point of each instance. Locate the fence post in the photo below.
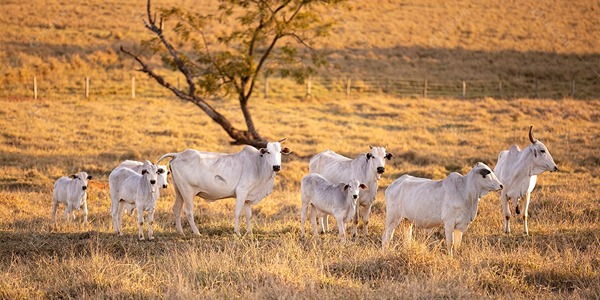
(500, 88)
(425, 89)
(348, 87)
(308, 88)
(573, 89)
(266, 87)
(34, 87)
(132, 87)
(87, 87)
(464, 94)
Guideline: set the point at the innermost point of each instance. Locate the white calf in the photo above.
(426, 203)
(71, 191)
(128, 186)
(326, 198)
(161, 181)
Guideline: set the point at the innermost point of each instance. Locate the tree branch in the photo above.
(180, 64)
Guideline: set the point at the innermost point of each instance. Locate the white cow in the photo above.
(326, 198)
(248, 176)
(429, 203)
(72, 192)
(367, 168)
(161, 181)
(518, 171)
(128, 186)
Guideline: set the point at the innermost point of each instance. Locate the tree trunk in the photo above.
(248, 118)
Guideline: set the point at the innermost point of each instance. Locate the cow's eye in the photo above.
(543, 151)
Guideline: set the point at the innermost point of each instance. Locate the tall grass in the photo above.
(43, 140)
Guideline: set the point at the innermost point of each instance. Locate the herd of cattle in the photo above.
(338, 186)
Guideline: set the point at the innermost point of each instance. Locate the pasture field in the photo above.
(45, 139)
(482, 42)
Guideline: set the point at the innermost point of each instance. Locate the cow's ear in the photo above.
(144, 171)
(286, 151)
(74, 176)
(160, 171)
(484, 172)
(363, 186)
(89, 177)
(262, 151)
(369, 156)
(346, 187)
(389, 156)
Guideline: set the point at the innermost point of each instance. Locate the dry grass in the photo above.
(553, 41)
(43, 140)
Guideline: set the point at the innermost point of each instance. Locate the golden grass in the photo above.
(552, 41)
(43, 140)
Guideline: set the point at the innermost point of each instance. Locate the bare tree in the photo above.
(216, 65)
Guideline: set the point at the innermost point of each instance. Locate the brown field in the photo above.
(43, 140)
(61, 42)
(482, 42)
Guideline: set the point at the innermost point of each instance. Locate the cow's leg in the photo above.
(68, 211)
(457, 238)
(248, 210)
(505, 211)
(407, 229)
(325, 223)
(239, 206)
(114, 208)
(303, 210)
(150, 223)
(313, 221)
(140, 220)
(85, 209)
(366, 212)
(341, 228)
(177, 205)
(355, 222)
(391, 222)
(54, 207)
(120, 216)
(449, 230)
(526, 213)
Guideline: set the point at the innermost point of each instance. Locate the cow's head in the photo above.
(353, 188)
(82, 178)
(150, 173)
(542, 160)
(272, 154)
(485, 178)
(162, 176)
(376, 159)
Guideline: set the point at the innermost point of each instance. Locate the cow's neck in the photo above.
(524, 165)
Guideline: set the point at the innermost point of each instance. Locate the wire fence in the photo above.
(322, 86)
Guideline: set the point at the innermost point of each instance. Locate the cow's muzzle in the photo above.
(276, 168)
(165, 186)
(555, 169)
(152, 181)
(84, 187)
(380, 170)
(501, 186)
(355, 196)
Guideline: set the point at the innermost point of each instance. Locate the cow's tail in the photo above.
(172, 155)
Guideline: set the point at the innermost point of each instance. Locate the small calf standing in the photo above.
(128, 186)
(161, 181)
(326, 198)
(427, 203)
(71, 191)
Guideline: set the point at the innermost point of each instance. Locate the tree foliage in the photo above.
(260, 37)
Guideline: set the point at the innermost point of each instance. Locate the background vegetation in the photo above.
(552, 41)
(62, 133)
